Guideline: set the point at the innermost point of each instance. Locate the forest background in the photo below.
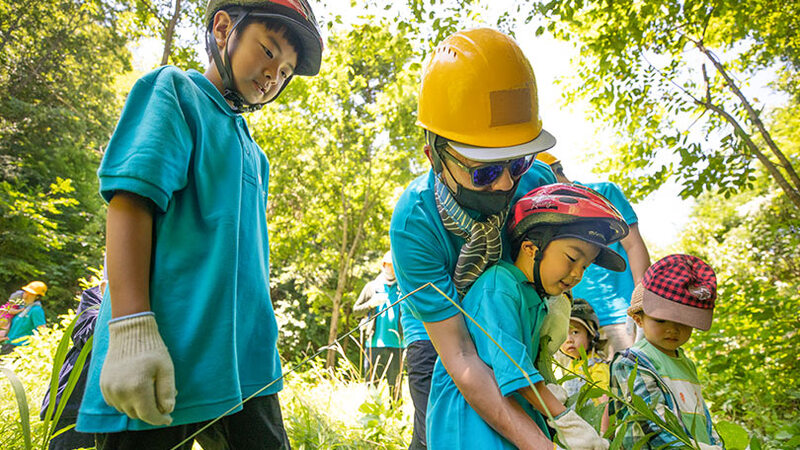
(699, 95)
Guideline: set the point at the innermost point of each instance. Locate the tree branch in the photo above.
(752, 115)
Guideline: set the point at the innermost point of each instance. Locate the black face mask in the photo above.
(487, 203)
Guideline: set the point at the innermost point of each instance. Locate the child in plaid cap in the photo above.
(676, 295)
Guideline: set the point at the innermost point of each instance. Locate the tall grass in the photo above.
(321, 408)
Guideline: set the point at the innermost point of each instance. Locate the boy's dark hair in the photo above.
(270, 24)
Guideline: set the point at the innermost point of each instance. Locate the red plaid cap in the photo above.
(680, 288)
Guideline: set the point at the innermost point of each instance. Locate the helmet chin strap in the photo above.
(541, 243)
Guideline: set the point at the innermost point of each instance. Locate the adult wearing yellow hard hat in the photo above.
(29, 319)
(478, 106)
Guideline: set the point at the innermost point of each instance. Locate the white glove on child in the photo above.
(138, 378)
(576, 433)
(709, 447)
(558, 392)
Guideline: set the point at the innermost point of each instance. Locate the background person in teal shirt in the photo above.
(556, 231)
(384, 341)
(25, 322)
(609, 293)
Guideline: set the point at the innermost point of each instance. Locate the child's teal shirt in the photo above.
(424, 251)
(508, 308)
(178, 144)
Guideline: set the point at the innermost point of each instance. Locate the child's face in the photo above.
(577, 337)
(664, 335)
(563, 263)
(261, 61)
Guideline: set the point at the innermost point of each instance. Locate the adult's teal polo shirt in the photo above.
(23, 324)
(178, 144)
(424, 251)
(387, 331)
(609, 292)
(508, 308)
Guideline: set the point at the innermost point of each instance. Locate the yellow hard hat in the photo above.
(35, 287)
(547, 158)
(479, 92)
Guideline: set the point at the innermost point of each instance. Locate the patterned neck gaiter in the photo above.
(483, 246)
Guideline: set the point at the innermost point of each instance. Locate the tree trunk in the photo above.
(169, 32)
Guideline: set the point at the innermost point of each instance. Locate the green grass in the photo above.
(321, 408)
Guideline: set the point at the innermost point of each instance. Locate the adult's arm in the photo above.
(88, 310)
(129, 240)
(477, 384)
(638, 256)
(362, 304)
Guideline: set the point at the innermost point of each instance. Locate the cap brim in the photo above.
(589, 329)
(29, 290)
(607, 258)
(660, 308)
(542, 142)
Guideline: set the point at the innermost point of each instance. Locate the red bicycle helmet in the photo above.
(567, 210)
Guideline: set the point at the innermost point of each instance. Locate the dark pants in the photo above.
(420, 357)
(259, 425)
(384, 362)
(70, 439)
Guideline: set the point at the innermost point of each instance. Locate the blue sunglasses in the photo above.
(486, 174)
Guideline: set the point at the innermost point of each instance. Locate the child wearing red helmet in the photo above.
(555, 232)
(676, 294)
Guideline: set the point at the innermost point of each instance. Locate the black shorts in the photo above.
(258, 426)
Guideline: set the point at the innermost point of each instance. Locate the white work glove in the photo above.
(556, 322)
(709, 446)
(558, 392)
(138, 378)
(576, 433)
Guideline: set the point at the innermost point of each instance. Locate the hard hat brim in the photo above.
(542, 142)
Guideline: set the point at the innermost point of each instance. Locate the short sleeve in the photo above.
(614, 194)
(499, 314)
(150, 149)
(419, 253)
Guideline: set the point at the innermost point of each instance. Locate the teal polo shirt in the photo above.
(387, 333)
(508, 308)
(424, 251)
(23, 324)
(609, 292)
(178, 144)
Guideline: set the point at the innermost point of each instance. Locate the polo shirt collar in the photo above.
(211, 91)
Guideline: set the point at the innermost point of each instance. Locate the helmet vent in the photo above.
(569, 200)
(570, 193)
(447, 49)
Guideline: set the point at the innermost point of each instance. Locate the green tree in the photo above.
(177, 23)
(341, 147)
(57, 66)
(752, 241)
(655, 69)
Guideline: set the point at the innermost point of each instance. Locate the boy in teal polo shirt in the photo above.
(556, 231)
(187, 243)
